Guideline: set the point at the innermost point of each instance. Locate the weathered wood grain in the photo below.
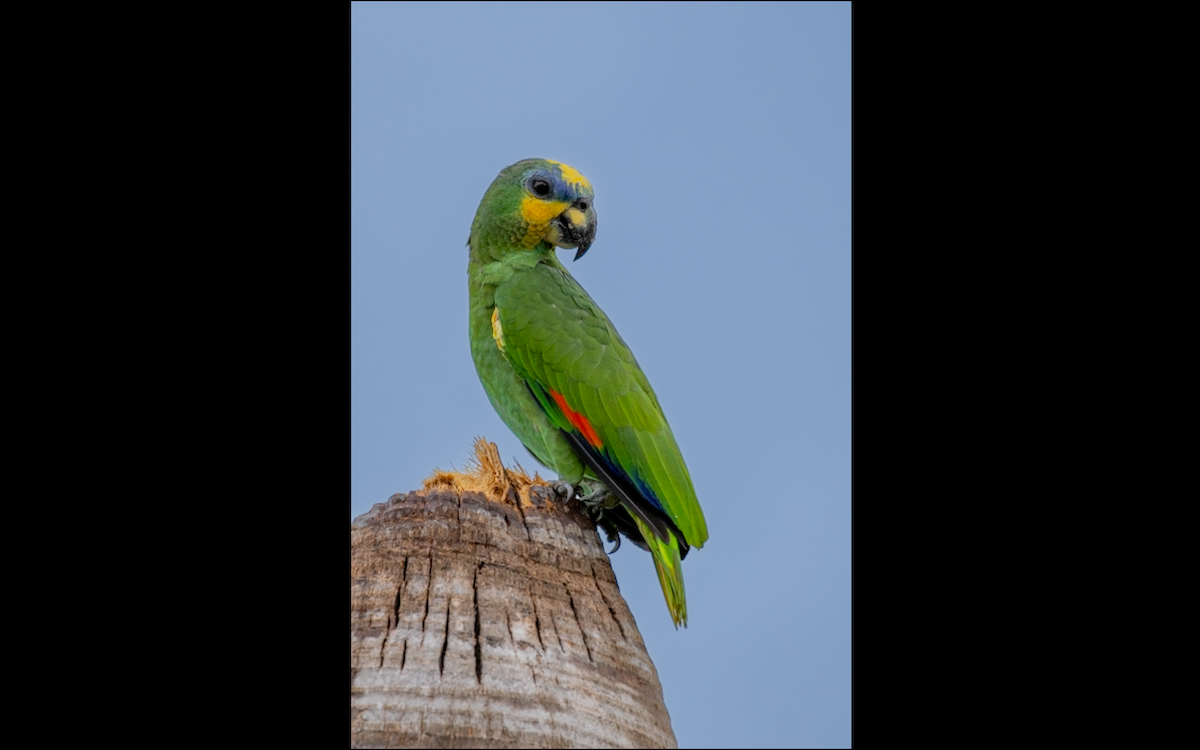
(493, 623)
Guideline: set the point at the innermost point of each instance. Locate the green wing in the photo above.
(589, 383)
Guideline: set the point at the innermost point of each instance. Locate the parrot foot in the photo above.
(594, 495)
(595, 503)
(595, 498)
(598, 498)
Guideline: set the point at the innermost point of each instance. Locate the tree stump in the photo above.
(484, 613)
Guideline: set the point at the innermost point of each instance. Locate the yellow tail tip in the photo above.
(670, 573)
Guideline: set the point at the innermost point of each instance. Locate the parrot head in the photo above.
(537, 200)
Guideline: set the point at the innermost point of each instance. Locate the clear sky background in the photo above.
(717, 138)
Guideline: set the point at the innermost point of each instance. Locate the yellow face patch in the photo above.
(571, 174)
(497, 331)
(538, 214)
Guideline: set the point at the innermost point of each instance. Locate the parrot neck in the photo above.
(493, 265)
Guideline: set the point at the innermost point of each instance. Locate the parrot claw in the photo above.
(565, 489)
(616, 546)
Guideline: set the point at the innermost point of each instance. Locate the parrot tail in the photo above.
(670, 570)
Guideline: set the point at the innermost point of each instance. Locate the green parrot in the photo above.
(559, 375)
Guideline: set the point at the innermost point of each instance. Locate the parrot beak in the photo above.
(574, 228)
(583, 246)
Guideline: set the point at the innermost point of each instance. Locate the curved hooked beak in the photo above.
(574, 228)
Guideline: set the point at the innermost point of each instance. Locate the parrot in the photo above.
(563, 380)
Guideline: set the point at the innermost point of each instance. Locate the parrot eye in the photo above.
(540, 187)
(583, 205)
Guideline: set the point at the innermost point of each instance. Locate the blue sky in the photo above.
(717, 138)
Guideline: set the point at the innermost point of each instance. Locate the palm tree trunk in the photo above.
(492, 619)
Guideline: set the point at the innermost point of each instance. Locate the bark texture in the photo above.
(478, 622)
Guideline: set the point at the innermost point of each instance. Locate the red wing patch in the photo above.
(581, 422)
